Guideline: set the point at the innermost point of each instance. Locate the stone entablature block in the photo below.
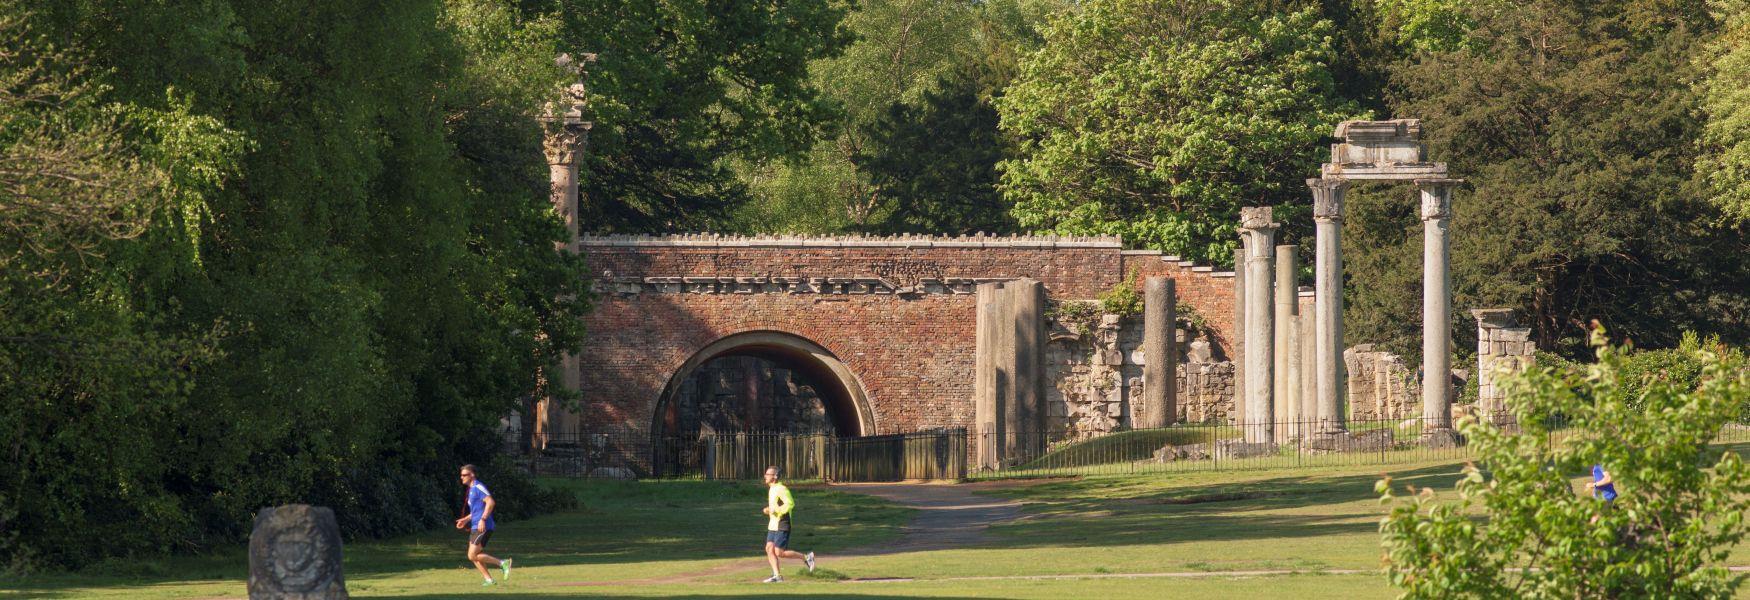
(1381, 150)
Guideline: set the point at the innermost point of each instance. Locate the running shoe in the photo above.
(488, 583)
(809, 558)
(505, 566)
(774, 579)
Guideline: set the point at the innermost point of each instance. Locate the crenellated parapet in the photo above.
(712, 240)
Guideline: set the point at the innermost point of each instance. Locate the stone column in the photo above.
(1285, 403)
(1026, 300)
(1328, 302)
(1008, 370)
(987, 411)
(1436, 303)
(562, 146)
(1238, 343)
(1259, 351)
(1304, 372)
(1159, 371)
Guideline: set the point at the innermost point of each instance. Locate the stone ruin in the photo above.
(1095, 383)
(295, 554)
(1380, 385)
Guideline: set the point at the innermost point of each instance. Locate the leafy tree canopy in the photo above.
(1157, 120)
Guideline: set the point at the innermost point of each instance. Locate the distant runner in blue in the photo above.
(1602, 485)
(479, 524)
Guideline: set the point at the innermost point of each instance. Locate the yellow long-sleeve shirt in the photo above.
(778, 499)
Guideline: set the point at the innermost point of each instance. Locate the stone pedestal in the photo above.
(1503, 348)
(295, 554)
(1159, 372)
(1328, 302)
(1257, 421)
(1436, 302)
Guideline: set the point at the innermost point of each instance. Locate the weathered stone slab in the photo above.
(294, 553)
(1440, 438)
(1372, 440)
(612, 473)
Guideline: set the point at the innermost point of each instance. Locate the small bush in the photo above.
(1681, 505)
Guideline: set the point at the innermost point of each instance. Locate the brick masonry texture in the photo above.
(911, 353)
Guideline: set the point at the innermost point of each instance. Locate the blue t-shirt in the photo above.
(477, 505)
(1606, 491)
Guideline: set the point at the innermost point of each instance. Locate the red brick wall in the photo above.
(912, 354)
(1209, 292)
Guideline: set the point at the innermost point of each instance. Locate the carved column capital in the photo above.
(1327, 197)
(1437, 197)
(562, 144)
(1257, 217)
(1257, 229)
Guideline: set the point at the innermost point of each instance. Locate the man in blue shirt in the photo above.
(479, 524)
(1602, 485)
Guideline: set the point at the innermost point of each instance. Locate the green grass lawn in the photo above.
(1091, 531)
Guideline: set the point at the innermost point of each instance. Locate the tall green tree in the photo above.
(1157, 120)
(1575, 124)
(934, 164)
(1725, 162)
(351, 278)
(685, 90)
(912, 61)
(92, 188)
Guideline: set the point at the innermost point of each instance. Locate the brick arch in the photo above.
(847, 402)
(899, 313)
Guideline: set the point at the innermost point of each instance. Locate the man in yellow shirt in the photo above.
(779, 505)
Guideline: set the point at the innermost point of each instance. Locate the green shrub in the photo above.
(1123, 299)
(1519, 529)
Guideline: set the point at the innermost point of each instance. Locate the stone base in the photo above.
(1239, 449)
(1442, 437)
(1224, 449)
(1373, 440)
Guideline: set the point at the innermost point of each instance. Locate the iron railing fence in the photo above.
(624, 455)
(957, 454)
(1214, 447)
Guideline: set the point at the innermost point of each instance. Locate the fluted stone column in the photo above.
(1328, 302)
(1260, 331)
(1159, 371)
(1285, 402)
(563, 146)
(1436, 302)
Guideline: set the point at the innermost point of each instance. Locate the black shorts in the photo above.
(479, 538)
(781, 539)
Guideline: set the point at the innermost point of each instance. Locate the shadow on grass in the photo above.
(618, 522)
(1134, 510)
(763, 592)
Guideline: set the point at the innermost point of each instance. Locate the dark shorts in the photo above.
(479, 538)
(781, 539)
